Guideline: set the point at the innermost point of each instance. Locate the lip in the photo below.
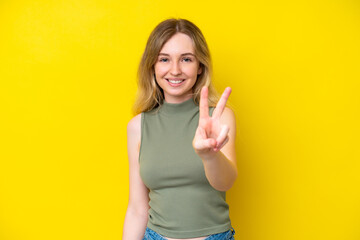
(175, 79)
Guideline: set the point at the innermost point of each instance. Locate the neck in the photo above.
(177, 100)
(173, 108)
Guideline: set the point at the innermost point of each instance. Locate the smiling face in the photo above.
(176, 68)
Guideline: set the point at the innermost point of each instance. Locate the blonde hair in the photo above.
(150, 95)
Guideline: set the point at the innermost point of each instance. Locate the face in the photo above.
(176, 68)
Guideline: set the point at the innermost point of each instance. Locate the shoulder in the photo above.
(228, 114)
(134, 132)
(134, 125)
(228, 118)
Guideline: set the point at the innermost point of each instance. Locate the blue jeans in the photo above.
(228, 235)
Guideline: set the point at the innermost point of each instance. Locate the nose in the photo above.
(175, 69)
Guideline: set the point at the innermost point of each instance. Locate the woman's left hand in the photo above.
(211, 135)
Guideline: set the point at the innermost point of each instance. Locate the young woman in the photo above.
(181, 151)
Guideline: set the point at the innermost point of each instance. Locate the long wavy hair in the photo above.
(149, 94)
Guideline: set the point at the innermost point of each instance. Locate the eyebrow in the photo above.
(165, 54)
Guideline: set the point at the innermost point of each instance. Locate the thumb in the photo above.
(203, 144)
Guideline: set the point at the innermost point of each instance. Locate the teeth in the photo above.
(175, 81)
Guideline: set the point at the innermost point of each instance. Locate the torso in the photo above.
(179, 176)
(198, 238)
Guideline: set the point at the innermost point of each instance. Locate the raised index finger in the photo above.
(203, 105)
(220, 106)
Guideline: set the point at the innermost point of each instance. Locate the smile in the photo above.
(175, 81)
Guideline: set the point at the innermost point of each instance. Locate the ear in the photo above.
(200, 69)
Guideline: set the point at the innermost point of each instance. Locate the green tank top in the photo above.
(182, 203)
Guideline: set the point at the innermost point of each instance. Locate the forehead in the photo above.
(178, 44)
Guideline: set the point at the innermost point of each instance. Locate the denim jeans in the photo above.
(228, 235)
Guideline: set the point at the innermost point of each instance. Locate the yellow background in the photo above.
(67, 71)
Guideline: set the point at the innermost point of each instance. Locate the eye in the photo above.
(187, 59)
(163, 60)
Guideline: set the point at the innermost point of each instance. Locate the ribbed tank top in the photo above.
(182, 203)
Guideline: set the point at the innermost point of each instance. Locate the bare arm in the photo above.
(220, 168)
(137, 212)
(213, 134)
